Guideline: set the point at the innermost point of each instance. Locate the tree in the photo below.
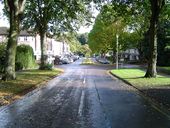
(15, 10)
(71, 39)
(85, 50)
(83, 38)
(156, 7)
(151, 9)
(102, 37)
(163, 36)
(54, 17)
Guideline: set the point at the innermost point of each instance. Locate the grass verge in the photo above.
(136, 78)
(87, 61)
(26, 81)
(165, 70)
(155, 90)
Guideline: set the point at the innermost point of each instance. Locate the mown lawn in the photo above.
(136, 78)
(25, 82)
(166, 68)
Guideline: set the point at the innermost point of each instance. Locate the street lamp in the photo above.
(117, 51)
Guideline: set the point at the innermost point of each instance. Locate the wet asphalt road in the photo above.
(83, 97)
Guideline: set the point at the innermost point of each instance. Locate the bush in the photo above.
(24, 57)
(2, 56)
(18, 66)
(46, 67)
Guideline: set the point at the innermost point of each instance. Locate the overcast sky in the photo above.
(4, 21)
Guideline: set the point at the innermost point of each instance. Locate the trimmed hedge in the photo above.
(2, 56)
(24, 57)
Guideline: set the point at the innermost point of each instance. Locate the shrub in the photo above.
(2, 56)
(46, 67)
(18, 66)
(24, 57)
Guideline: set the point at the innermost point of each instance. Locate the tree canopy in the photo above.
(102, 37)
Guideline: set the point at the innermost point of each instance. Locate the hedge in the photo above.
(2, 56)
(24, 57)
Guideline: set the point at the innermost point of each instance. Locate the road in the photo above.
(83, 97)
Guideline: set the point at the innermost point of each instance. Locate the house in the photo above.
(3, 34)
(52, 47)
(131, 54)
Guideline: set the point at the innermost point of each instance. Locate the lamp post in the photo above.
(117, 51)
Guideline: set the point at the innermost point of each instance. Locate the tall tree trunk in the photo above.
(11, 47)
(156, 6)
(15, 9)
(43, 41)
(151, 70)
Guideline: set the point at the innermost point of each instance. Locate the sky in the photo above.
(83, 29)
(3, 20)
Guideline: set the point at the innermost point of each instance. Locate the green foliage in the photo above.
(18, 66)
(74, 44)
(85, 50)
(2, 56)
(46, 67)
(102, 37)
(164, 43)
(167, 48)
(55, 16)
(24, 57)
(82, 38)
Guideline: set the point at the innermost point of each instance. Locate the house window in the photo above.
(51, 46)
(25, 38)
(35, 44)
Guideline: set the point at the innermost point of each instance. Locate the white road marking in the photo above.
(84, 81)
(81, 103)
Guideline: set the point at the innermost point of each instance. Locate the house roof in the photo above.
(26, 33)
(4, 31)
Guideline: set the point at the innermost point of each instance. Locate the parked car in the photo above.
(102, 60)
(57, 60)
(65, 60)
(75, 57)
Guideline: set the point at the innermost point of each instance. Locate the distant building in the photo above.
(127, 55)
(3, 34)
(52, 46)
(131, 54)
